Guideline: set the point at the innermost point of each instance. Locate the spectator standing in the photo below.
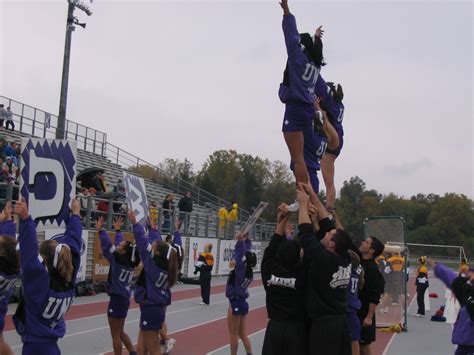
(10, 150)
(9, 119)
(232, 218)
(3, 114)
(204, 265)
(153, 211)
(222, 214)
(168, 208)
(185, 206)
(371, 292)
(421, 286)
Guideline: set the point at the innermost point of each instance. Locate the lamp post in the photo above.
(70, 26)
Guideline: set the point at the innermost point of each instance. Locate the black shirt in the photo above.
(374, 284)
(284, 294)
(328, 274)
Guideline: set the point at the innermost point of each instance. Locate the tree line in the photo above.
(247, 179)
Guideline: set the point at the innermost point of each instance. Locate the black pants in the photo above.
(420, 299)
(329, 335)
(205, 279)
(285, 338)
(8, 123)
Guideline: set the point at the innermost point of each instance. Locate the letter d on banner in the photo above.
(48, 179)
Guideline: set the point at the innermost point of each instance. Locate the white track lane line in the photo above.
(387, 347)
(240, 342)
(136, 320)
(132, 309)
(197, 325)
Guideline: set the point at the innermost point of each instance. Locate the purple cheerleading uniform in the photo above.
(7, 280)
(463, 330)
(40, 321)
(334, 110)
(155, 295)
(120, 277)
(236, 289)
(353, 304)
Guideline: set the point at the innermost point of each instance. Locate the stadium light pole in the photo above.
(70, 26)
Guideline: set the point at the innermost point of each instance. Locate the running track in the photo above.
(198, 330)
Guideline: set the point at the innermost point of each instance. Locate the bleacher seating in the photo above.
(114, 172)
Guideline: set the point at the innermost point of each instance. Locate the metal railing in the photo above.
(42, 124)
(39, 123)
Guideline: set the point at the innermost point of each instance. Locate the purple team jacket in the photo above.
(303, 73)
(353, 301)
(7, 228)
(44, 307)
(463, 331)
(237, 286)
(120, 276)
(334, 108)
(157, 287)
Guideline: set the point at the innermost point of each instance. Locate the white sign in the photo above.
(136, 197)
(226, 254)
(57, 234)
(254, 217)
(196, 247)
(48, 179)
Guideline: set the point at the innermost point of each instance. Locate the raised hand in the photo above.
(99, 223)
(118, 221)
(75, 207)
(21, 209)
(241, 236)
(132, 218)
(302, 197)
(319, 32)
(284, 6)
(6, 212)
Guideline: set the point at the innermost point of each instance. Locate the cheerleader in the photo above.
(123, 259)
(297, 92)
(353, 302)
(237, 292)
(48, 273)
(152, 291)
(9, 266)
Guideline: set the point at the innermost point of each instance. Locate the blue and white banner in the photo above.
(58, 234)
(136, 197)
(48, 180)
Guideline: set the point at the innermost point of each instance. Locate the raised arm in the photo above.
(105, 243)
(269, 262)
(292, 36)
(7, 225)
(143, 245)
(240, 249)
(30, 260)
(118, 221)
(73, 234)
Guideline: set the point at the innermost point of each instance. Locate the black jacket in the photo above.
(328, 274)
(374, 284)
(284, 294)
(185, 204)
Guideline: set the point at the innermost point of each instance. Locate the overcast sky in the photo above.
(182, 79)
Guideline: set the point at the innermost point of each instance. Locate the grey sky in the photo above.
(185, 78)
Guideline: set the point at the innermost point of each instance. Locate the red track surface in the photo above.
(207, 337)
(96, 308)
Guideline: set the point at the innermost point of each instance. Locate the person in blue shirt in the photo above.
(123, 259)
(48, 273)
(9, 268)
(152, 290)
(237, 292)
